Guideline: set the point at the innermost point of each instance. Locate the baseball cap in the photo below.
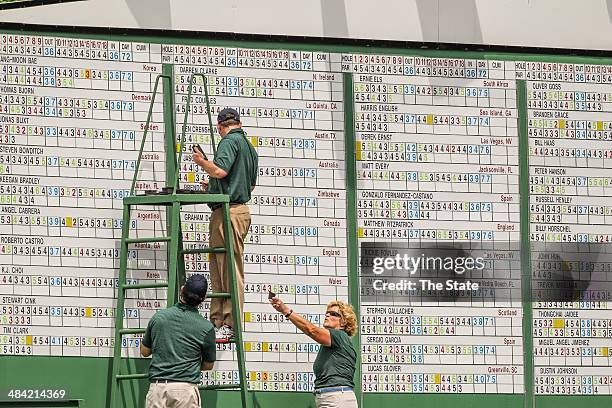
(228, 113)
(197, 285)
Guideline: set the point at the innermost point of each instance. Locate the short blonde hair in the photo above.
(348, 319)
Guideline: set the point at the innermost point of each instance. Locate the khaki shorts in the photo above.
(173, 395)
(338, 399)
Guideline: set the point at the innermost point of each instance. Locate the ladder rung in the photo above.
(121, 377)
(146, 286)
(162, 199)
(203, 251)
(150, 239)
(218, 387)
(219, 295)
(132, 331)
(183, 199)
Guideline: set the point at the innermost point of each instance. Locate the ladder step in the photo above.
(145, 286)
(218, 387)
(219, 295)
(132, 331)
(121, 377)
(162, 199)
(168, 199)
(150, 239)
(203, 251)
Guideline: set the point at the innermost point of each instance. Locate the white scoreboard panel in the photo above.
(437, 151)
(437, 162)
(291, 107)
(72, 113)
(570, 162)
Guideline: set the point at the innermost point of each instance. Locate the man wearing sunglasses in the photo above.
(334, 367)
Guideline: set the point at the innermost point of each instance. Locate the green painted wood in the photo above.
(181, 276)
(350, 161)
(176, 260)
(173, 247)
(90, 378)
(230, 265)
(168, 199)
(525, 245)
(141, 376)
(123, 255)
(147, 126)
(169, 124)
(148, 239)
(132, 331)
(146, 286)
(218, 295)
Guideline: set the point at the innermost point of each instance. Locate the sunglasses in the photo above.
(332, 313)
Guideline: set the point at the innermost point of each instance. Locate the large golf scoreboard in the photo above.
(406, 148)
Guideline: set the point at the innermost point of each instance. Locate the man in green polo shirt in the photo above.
(182, 343)
(234, 172)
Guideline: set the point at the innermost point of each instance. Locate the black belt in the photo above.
(219, 205)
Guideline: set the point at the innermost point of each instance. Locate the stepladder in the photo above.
(170, 200)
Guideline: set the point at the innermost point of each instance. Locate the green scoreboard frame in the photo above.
(88, 380)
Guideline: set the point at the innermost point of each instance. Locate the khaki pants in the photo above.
(338, 399)
(240, 216)
(173, 395)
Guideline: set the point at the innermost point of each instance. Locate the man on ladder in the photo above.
(168, 354)
(233, 172)
(182, 343)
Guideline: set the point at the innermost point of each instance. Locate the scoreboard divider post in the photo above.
(351, 225)
(525, 252)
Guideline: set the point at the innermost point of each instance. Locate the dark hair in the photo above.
(191, 299)
(229, 122)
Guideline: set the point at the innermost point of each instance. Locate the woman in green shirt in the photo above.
(334, 367)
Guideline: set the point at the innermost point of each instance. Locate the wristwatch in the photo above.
(289, 314)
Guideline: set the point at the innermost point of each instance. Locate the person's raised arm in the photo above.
(319, 334)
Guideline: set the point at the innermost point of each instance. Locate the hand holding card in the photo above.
(198, 149)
